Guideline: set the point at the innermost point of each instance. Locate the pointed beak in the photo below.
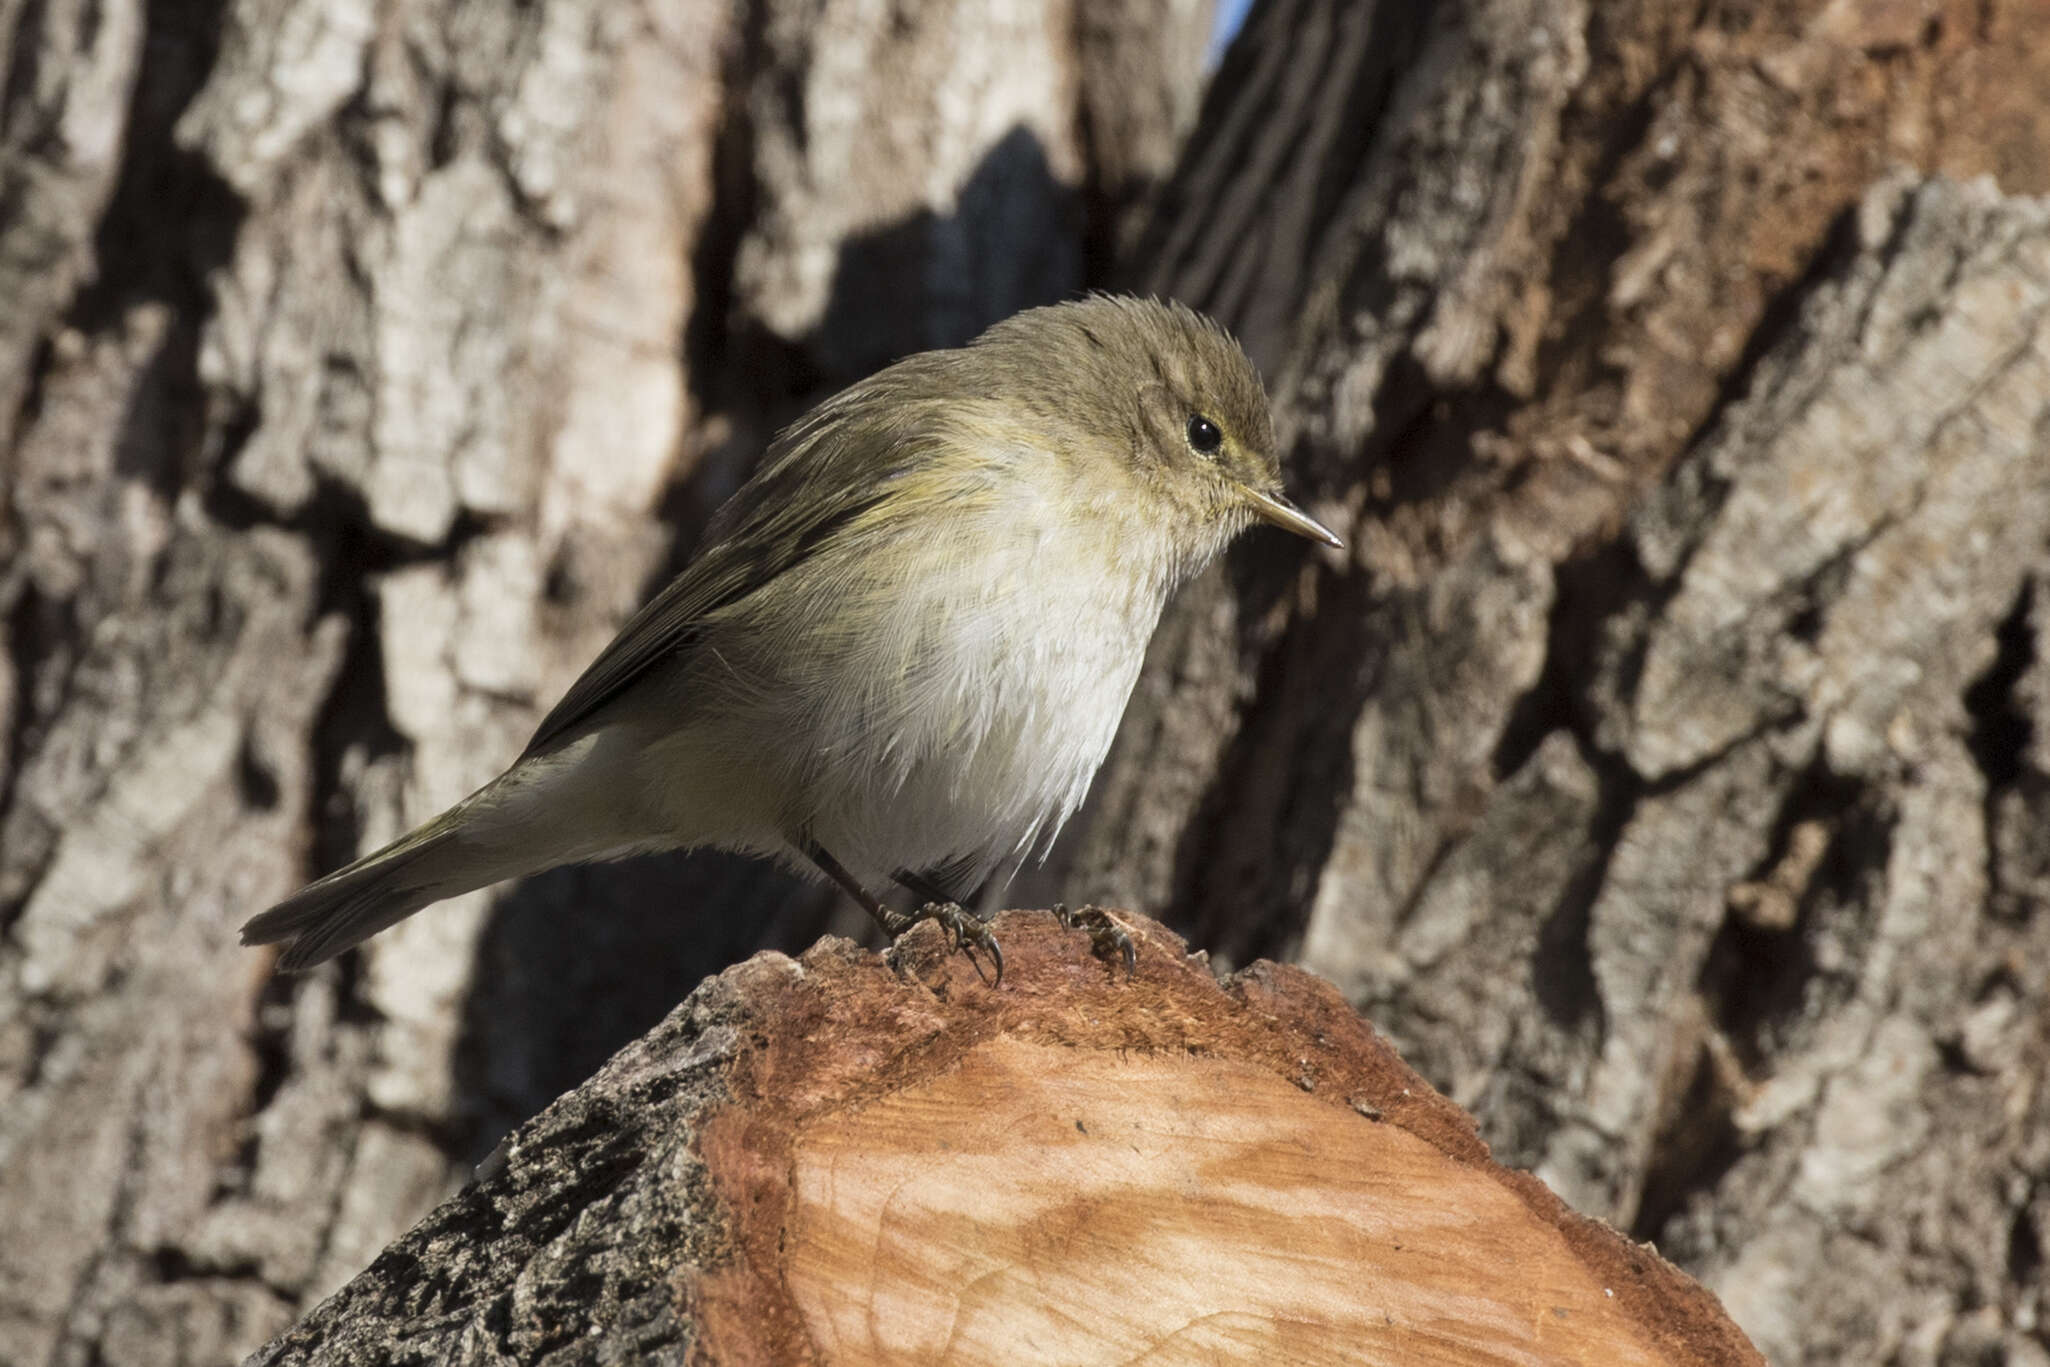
(1278, 510)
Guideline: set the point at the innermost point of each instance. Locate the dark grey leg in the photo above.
(966, 928)
(923, 886)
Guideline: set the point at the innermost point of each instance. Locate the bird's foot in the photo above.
(1106, 937)
(967, 929)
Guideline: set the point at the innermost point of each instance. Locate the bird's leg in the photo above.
(962, 924)
(836, 871)
(1106, 937)
(924, 887)
(941, 905)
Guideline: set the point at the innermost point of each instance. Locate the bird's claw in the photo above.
(1106, 936)
(964, 927)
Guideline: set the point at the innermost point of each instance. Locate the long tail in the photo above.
(352, 904)
(507, 828)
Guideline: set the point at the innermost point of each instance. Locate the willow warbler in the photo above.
(905, 645)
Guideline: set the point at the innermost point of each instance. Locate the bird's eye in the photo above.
(1204, 438)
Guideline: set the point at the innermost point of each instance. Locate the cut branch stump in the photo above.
(842, 1159)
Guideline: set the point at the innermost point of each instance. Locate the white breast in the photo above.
(940, 704)
(1019, 682)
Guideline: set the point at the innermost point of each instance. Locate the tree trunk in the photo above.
(361, 366)
(1666, 767)
(822, 1160)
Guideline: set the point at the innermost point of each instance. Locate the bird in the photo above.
(904, 645)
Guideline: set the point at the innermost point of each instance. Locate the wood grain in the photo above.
(846, 1159)
(1079, 1167)
(1045, 1204)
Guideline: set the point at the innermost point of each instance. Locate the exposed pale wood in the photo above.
(1041, 1202)
(825, 1160)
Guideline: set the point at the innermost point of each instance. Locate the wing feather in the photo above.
(822, 474)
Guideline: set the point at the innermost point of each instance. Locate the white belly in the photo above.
(942, 719)
(999, 751)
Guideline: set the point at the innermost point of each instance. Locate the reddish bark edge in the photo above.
(841, 1028)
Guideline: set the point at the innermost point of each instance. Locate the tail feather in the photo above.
(352, 904)
(546, 810)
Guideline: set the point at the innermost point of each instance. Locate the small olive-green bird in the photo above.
(906, 643)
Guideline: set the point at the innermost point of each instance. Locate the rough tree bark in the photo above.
(831, 1160)
(360, 367)
(1665, 769)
